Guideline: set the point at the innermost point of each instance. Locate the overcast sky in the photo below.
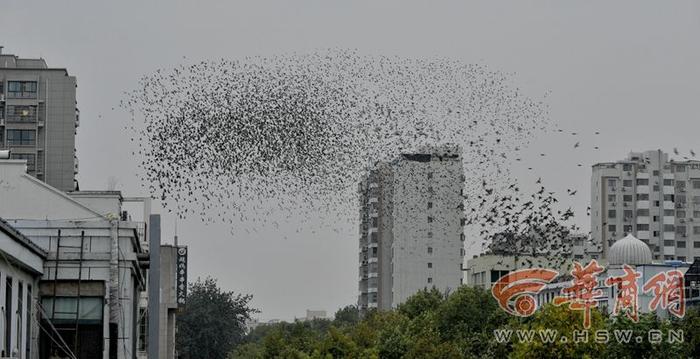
(630, 69)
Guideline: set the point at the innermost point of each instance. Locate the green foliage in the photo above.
(564, 321)
(643, 348)
(213, 321)
(461, 325)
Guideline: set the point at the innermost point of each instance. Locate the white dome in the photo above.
(629, 250)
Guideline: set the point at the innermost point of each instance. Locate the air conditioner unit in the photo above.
(2, 122)
(2, 97)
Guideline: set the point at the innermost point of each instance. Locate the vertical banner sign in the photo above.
(181, 268)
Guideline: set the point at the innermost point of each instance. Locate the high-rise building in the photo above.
(411, 231)
(652, 198)
(38, 118)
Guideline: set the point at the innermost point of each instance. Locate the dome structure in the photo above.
(629, 250)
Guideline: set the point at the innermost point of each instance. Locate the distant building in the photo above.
(411, 234)
(484, 270)
(313, 314)
(38, 118)
(652, 198)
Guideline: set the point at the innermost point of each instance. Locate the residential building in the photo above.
(651, 197)
(411, 231)
(39, 118)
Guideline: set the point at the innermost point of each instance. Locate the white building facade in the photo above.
(78, 310)
(411, 234)
(652, 198)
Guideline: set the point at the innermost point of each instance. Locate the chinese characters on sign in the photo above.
(181, 267)
(515, 291)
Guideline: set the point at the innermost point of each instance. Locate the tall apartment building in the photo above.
(38, 118)
(411, 231)
(654, 199)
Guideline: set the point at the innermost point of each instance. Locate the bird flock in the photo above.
(291, 135)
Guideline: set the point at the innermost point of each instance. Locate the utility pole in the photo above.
(114, 288)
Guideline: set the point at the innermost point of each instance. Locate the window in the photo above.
(642, 196)
(680, 168)
(430, 219)
(680, 230)
(612, 213)
(696, 214)
(430, 234)
(696, 230)
(612, 228)
(655, 218)
(696, 244)
(656, 188)
(680, 244)
(612, 182)
(430, 250)
(627, 198)
(680, 185)
(627, 183)
(430, 175)
(21, 137)
(430, 205)
(375, 222)
(669, 212)
(668, 182)
(27, 334)
(696, 184)
(669, 228)
(21, 89)
(680, 214)
(643, 212)
(611, 198)
(462, 237)
(8, 312)
(627, 229)
(143, 330)
(430, 280)
(374, 252)
(628, 213)
(21, 114)
(29, 157)
(642, 227)
(626, 167)
(681, 258)
(642, 181)
(668, 197)
(669, 243)
(430, 265)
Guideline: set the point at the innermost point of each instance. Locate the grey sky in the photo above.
(630, 69)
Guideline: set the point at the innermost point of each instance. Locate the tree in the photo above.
(346, 316)
(562, 321)
(213, 321)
